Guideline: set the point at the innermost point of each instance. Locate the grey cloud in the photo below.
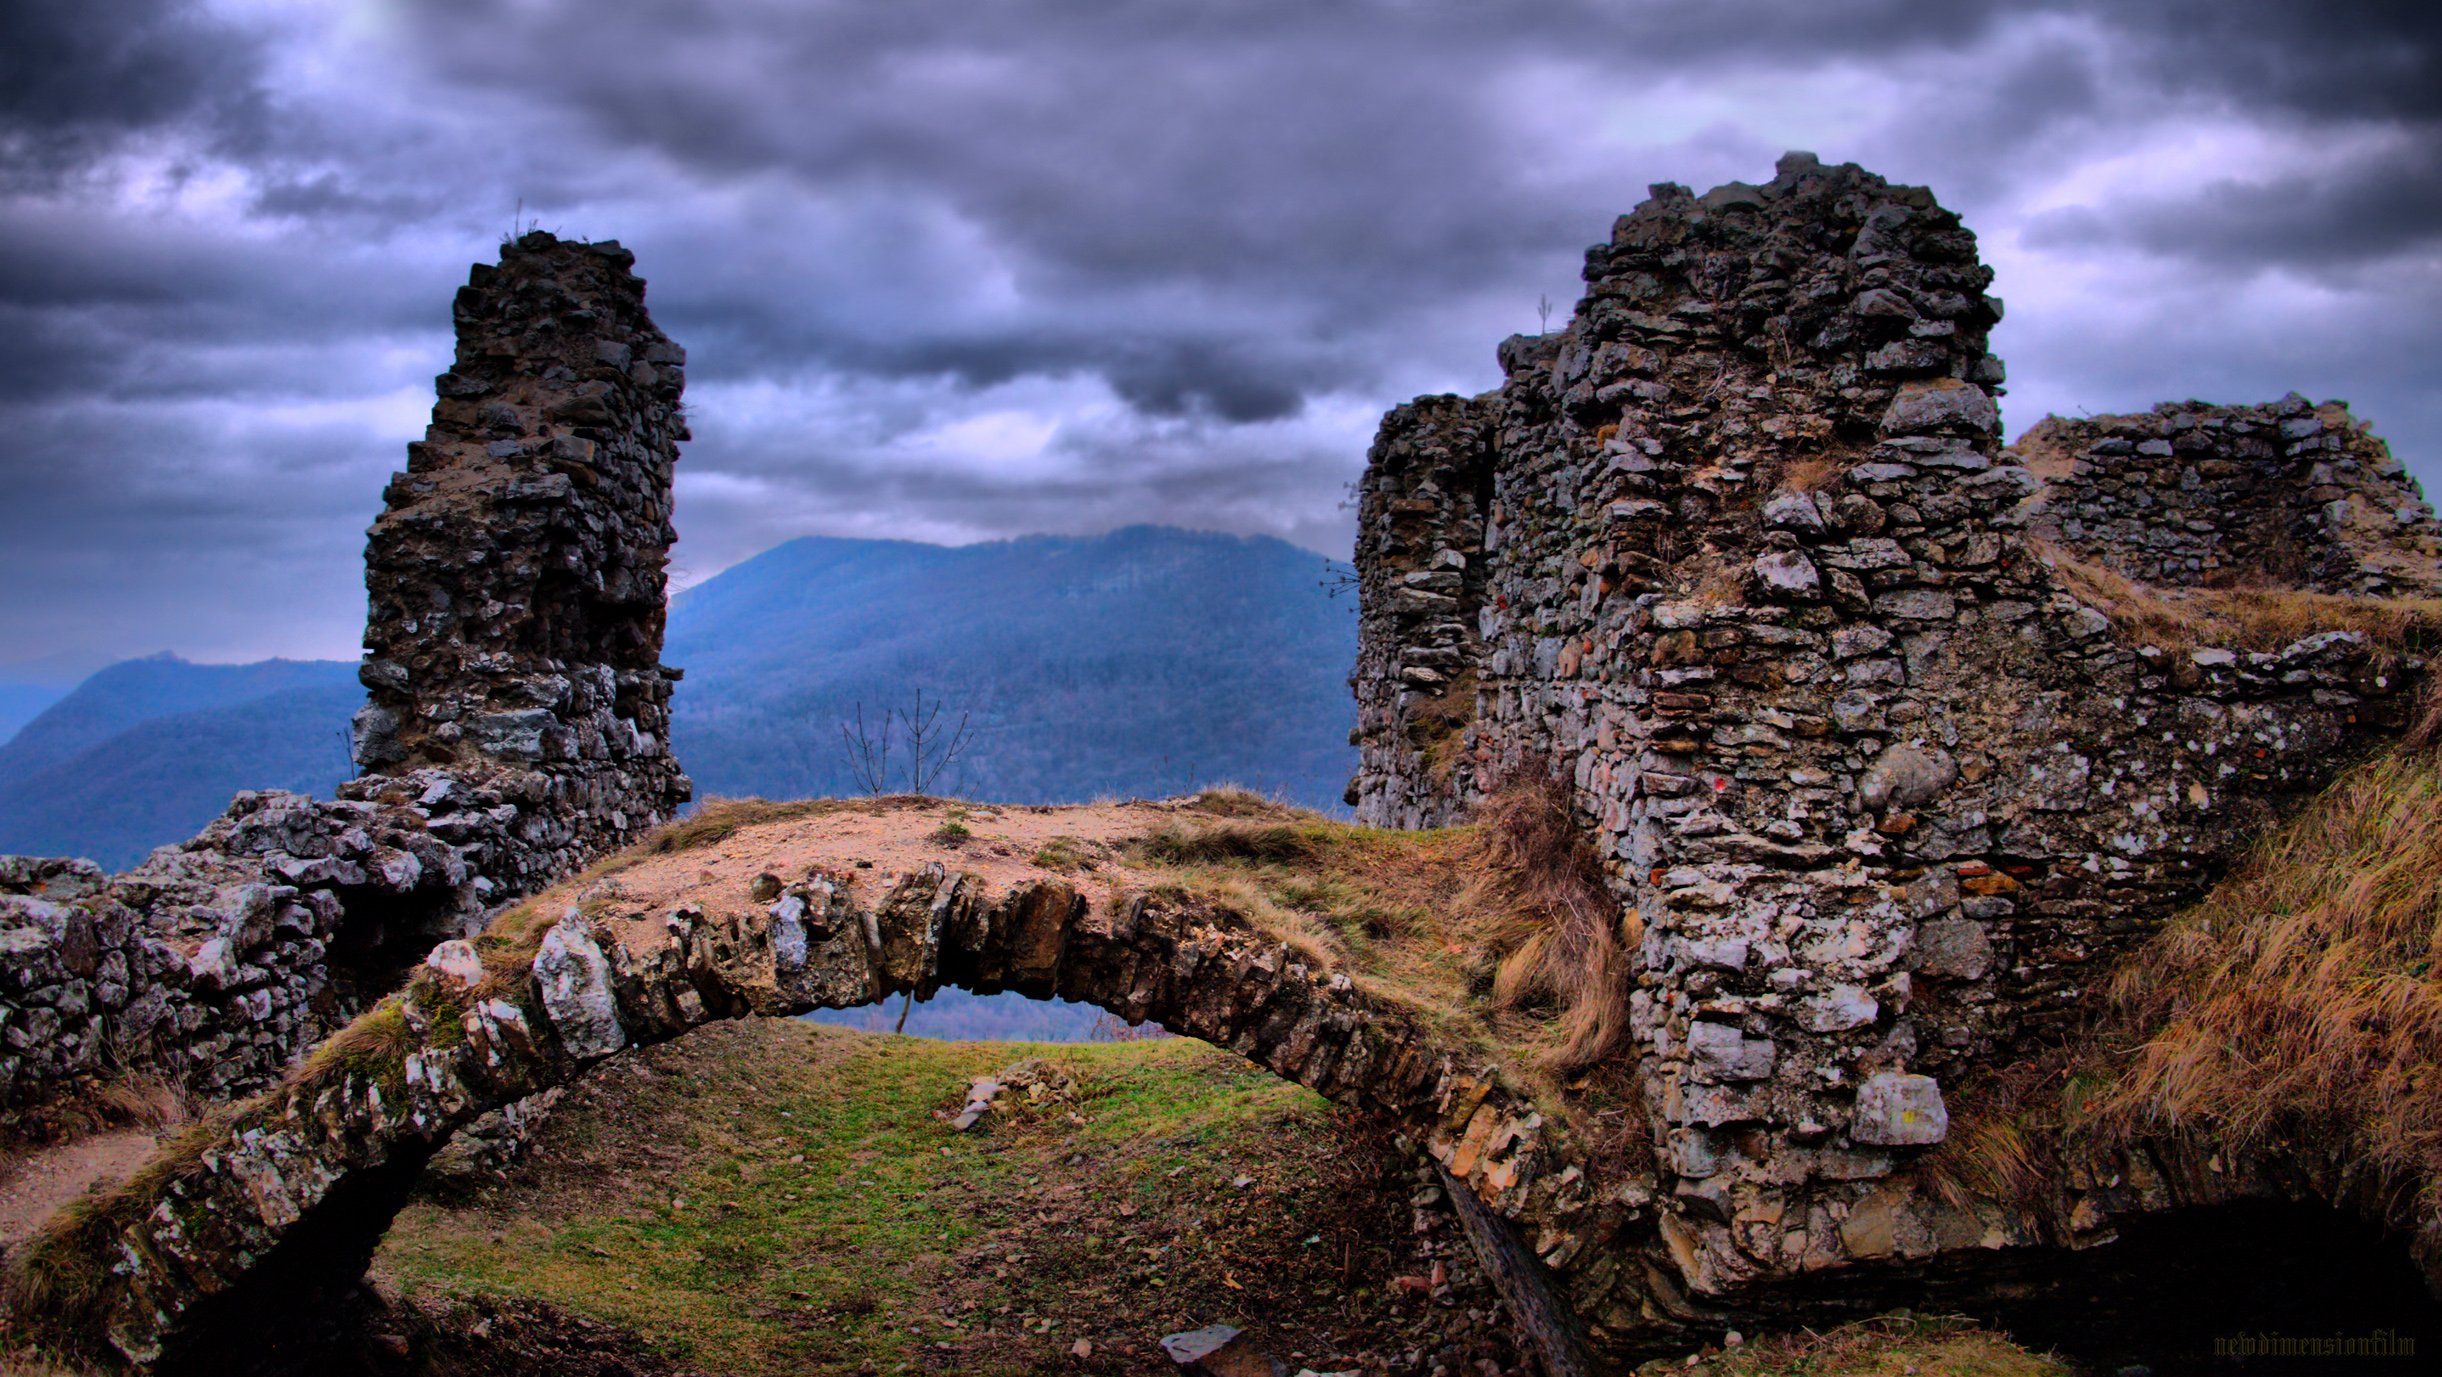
(2347, 211)
(2340, 59)
(1205, 237)
(75, 75)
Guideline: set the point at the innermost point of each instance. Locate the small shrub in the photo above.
(1064, 854)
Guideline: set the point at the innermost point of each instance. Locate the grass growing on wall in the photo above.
(2304, 994)
(2183, 619)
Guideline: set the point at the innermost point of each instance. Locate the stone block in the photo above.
(1895, 1109)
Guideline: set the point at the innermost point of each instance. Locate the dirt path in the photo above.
(39, 1184)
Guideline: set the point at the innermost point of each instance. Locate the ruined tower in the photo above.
(1738, 555)
(518, 723)
(517, 575)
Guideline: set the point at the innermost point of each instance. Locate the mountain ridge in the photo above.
(1082, 660)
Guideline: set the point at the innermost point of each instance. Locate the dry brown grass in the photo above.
(1539, 906)
(27, 1362)
(1500, 930)
(1717, 583)
(1237, 801)
(1811, 472)
(2182, 619)
(1373, 903)
(1890, 1346)
(715, 819)
(2303, 997)
(2005, 1130)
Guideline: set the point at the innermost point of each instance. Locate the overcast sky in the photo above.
(953, 270)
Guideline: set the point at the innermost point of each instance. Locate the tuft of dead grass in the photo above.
(1811, 472)
(1238, 801)
(1556, 932)
(2303, 997)
(2182, 619)
(2005, 1132)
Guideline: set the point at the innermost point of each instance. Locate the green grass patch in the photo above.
(779, 1215)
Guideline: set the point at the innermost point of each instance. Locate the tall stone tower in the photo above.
(517, 574)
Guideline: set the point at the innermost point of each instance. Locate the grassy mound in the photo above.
(777, 1197)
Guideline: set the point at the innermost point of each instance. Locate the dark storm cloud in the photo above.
(2337, 59)
(2352, 209)
(2360, 78)
(77, 75)
(951, 271)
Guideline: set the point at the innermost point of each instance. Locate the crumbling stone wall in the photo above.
(1882, 798)
(210, 966)
(1421, 509)
(2288, 494)
(518, 723)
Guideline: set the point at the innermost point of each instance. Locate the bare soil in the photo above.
(38, 1183)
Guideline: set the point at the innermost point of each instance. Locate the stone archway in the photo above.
(297, 1186)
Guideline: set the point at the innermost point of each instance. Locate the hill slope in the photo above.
(1143, 662)
(146, 752)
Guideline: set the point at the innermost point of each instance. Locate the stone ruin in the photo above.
(2289, 495)
(1739, 556)
(518, 724)
(517, 574)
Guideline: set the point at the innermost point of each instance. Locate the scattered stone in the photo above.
(1219, 1351)
(456, 959)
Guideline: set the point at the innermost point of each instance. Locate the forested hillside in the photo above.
(147, 751)
(1144, 662)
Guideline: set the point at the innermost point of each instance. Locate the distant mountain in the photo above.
(1144, 662)
(148, 751)
(132, 692)
(22, 703)
(954, 1015)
